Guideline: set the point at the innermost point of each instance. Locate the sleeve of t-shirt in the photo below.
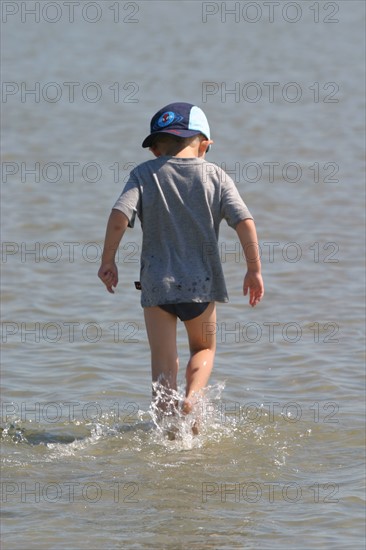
(233, 208)
(130, 199)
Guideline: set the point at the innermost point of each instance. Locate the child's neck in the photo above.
(187, 152)
(185, 155)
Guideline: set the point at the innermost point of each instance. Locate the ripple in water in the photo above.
(219, 428)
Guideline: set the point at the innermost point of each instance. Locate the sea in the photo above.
(279, 462)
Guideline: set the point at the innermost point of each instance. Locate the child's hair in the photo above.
(173, 144)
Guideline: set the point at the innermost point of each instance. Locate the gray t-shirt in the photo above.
(181, 202)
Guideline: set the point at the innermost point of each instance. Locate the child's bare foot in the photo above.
(186, 409)
(171, 433)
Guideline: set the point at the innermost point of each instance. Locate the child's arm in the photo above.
(108, 272)
(253, 279)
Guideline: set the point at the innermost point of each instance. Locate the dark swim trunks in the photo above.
(186, 311)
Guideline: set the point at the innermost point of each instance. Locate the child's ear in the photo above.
(204, 146)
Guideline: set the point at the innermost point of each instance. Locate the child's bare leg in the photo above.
(161, 329)
(202, 344)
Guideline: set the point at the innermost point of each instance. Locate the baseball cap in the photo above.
(180, 119)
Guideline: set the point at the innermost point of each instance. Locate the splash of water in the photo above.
(210, 421)
(173, 424)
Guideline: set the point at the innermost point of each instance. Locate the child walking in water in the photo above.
(180, 199)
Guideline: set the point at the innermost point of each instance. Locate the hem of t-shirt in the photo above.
(241, 219)
(187, 301)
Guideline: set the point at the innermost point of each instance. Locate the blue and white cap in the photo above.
(180, 119)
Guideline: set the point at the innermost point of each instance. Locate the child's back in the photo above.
(181, 202)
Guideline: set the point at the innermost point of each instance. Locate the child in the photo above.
(180, 199)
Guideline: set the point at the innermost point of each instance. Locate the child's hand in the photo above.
(254, 282)
(108, 273)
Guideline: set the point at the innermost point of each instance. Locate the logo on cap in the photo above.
(167, 118)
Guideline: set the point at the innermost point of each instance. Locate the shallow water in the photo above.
(279, 461)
